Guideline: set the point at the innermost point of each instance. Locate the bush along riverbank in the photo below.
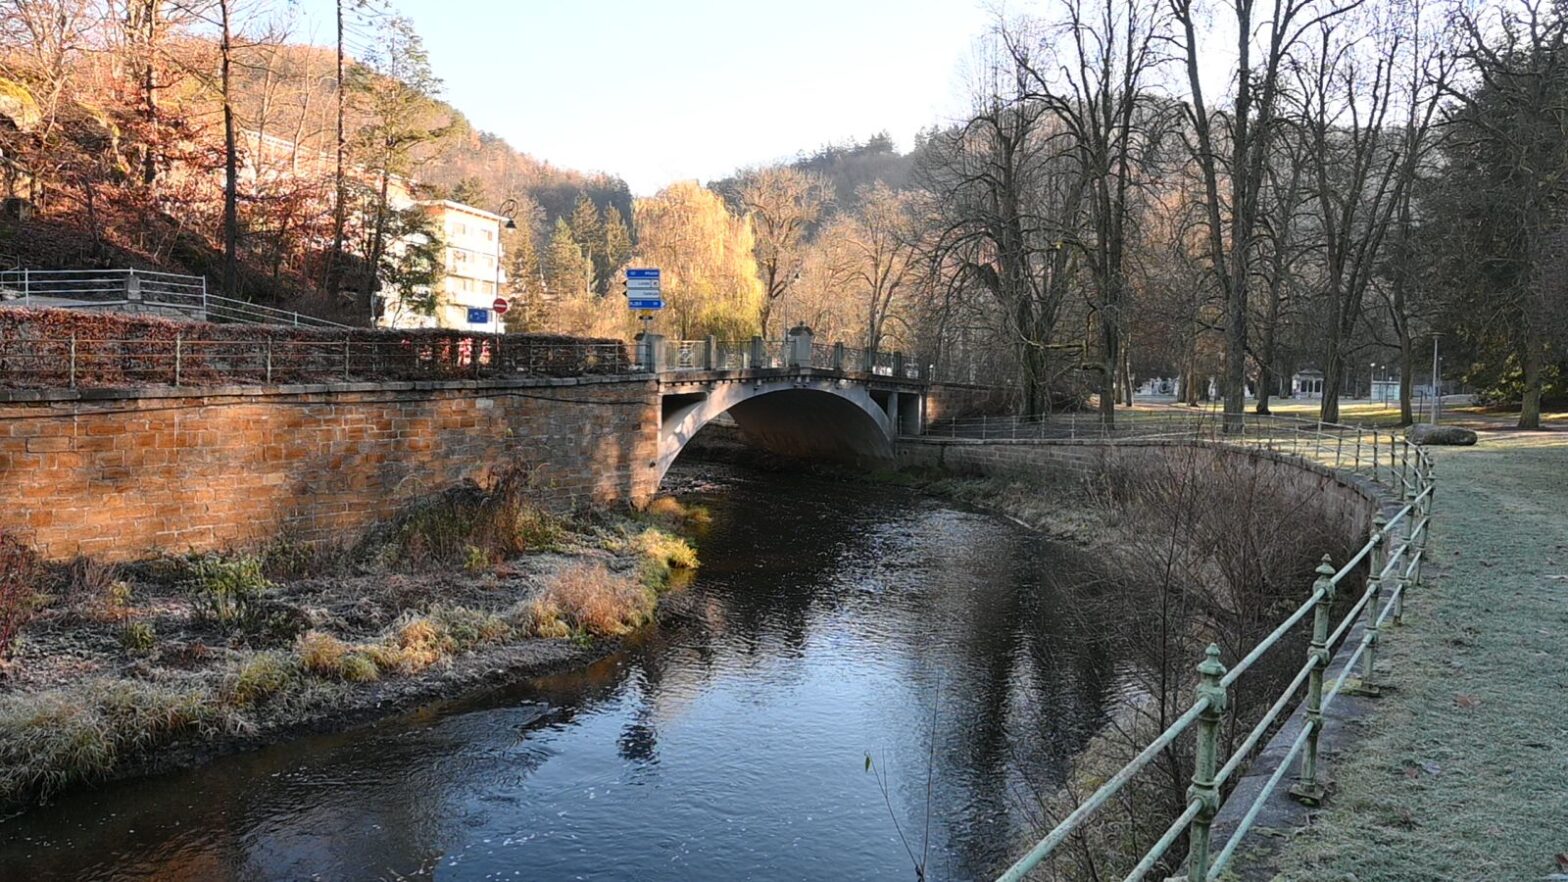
(112, 671)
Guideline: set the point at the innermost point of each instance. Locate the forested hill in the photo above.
(289, 91)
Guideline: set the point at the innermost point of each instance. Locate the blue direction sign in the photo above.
(478, 316)
(642, 289)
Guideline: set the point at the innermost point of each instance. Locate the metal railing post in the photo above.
(1206, 763)
(1308, 790)
(346, 339)
(27, 287)
(1404, 471)
(269, 360)
(205, 315)
(73, 359)
(176, 359)
(1358, 449)
(1376, 560)
(1374, 455)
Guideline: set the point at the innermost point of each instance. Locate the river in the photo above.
(829, 621)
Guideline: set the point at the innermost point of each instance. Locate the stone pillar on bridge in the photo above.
(759, 354)
(710, 353)
(650, 351)
(838, 357)
(893, 411)
(797, 351)
(898, 365)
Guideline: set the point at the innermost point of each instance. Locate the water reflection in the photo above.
(828, 622)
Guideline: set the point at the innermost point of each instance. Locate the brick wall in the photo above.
(121, 474)
(951, 401)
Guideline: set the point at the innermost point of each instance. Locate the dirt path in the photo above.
(1462, 771)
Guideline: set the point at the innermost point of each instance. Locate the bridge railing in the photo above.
(713, 354)
(128, 290)
(1392, 560)
(180, 359)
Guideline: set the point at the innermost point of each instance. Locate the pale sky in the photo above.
(664, 90)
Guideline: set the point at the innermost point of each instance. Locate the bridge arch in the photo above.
(808, 417)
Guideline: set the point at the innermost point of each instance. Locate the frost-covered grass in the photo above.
(1461, 773)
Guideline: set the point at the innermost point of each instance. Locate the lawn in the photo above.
(1462, 772)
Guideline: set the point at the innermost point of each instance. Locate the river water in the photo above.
(831, 621)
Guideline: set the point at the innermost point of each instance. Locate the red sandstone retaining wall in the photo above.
(121, 474)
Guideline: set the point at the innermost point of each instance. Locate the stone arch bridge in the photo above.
(797, 398)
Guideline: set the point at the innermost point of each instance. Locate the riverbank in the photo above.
(1459, 773)
(126, 670)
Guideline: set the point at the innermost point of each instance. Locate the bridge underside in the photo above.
(806, 416)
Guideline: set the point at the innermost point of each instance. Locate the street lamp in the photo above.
(508, 208)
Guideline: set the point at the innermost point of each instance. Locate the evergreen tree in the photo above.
(567, 270)
(617, 245)
(589, 231)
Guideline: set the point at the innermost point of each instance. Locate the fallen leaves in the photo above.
(1466, 701)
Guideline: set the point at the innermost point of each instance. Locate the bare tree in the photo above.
(1096, 88)
(784, 203)
(1232, 224)
(1007, 199)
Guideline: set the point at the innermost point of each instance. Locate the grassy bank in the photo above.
(1460, 771)
(116, 669)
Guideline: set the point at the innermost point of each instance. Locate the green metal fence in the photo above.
(1392, 557)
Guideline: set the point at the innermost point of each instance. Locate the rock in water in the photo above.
(1426, 433)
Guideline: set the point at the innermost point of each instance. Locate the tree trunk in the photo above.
(1530, 407)
(1407, 372)
(340, 188)
(1333, 378)
(230, 166)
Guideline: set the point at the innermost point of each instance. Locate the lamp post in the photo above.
(508, 208)
(1437, 384)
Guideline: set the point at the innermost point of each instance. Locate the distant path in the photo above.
(1462, 771)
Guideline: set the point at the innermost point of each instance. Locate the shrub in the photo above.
(661, 554)
(51, 739)
(422, 643)
(93, 583)
(671, 512)
(19, 575)
(138, 638)
(358, 668)
(543, 619)
(321, 654)
(229, 591)
(260, 677)
(468, 628)
(591, 599)
(472, 526)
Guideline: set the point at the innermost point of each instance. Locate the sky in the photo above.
(664, 90)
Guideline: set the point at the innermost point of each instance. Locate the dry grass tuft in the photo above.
(321, 654)
(671, 512)
(589, 599)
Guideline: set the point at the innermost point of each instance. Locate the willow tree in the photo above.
(705, 253)
(784, 204)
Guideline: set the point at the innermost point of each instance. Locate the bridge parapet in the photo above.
(799, 351)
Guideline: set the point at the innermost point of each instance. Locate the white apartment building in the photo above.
(471, 240)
